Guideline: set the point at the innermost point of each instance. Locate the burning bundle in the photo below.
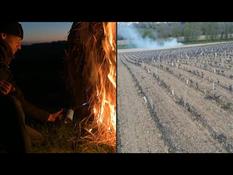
(91, 79)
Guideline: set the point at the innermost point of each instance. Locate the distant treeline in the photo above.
(188, 31)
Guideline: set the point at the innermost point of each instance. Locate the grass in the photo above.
(205, 41)
(59, 138)
(56, 136)
(126, 46)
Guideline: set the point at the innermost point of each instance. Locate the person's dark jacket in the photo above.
(14, 133)
(6, 74)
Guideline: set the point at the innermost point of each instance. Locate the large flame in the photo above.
(102, 78)
(91, 68)
(106, 89)
(104, 108)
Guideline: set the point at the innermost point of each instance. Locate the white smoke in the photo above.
(130, 33)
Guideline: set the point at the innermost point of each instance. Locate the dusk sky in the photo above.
(35, 32)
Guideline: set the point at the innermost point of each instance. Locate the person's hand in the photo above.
(6, 87)
(58, 115)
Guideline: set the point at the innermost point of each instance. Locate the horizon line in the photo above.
(40, 42)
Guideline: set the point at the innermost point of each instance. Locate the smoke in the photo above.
(134, 38)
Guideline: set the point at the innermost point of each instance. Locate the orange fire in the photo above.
(106, 115)
(102, 78)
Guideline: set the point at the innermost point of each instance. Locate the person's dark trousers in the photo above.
(13, 135)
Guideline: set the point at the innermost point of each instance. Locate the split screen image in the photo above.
(116, 87)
